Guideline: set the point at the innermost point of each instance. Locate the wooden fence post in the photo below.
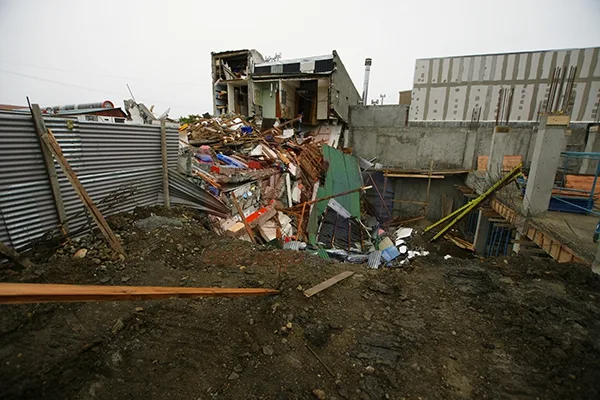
(40, 127)
(54, 147)
(165, 166)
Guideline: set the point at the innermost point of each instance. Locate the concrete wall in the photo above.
(379, 131)
(392, 115)
(447, 89)
(416, 190)
(343, 93)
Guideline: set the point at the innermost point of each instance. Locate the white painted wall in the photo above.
(482, 76)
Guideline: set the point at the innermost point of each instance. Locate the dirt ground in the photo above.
(504, 328)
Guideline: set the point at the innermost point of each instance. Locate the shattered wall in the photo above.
(105, 156)
(343, 92)
(386, 115)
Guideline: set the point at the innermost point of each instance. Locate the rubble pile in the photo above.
(289, 187)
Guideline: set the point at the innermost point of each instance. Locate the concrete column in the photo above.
(596, 263)
(481, 233)
(588, 167)
(549, 143)
(497, 152)
(517, 246)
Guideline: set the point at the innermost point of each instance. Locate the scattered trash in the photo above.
(447, 256)
(294, 245)
(374, 259)
(403, 233)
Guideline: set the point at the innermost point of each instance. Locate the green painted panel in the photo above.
(343, 175)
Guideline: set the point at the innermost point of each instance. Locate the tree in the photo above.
(189, 119)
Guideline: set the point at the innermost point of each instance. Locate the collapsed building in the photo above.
(290, 157)
(318, 88)
(438, 326)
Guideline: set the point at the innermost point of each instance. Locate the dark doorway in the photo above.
(306, 100)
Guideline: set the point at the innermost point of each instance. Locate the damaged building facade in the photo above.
(318, 88)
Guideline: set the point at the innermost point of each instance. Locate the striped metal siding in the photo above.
(26, 204)
(104, 156)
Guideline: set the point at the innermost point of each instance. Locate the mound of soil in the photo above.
(458, 328)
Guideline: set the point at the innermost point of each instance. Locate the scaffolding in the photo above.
(575, 200)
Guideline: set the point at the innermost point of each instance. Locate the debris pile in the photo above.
(289, 187)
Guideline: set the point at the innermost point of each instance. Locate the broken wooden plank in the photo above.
(14, 256)
(243, 217)
(308, 203)
(40, 127)
(54, 147)
(19, 293)
(328, 283)
(300, 229)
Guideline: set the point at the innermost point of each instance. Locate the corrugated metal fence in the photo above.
(105, 156)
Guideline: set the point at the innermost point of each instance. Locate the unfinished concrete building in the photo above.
(472, 120)
(466, 87)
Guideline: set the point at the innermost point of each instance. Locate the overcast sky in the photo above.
(65, 52)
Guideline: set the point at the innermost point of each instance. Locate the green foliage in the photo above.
(189, 119)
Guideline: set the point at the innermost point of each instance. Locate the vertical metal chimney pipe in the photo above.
(366, 85)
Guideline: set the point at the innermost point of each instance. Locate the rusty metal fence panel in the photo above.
(105, 156)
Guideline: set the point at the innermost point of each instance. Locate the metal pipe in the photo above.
(560, 89)
(510, 100)
(368, 62)
(593, 190)
(565, 189)
(589, 211)
(508, 237)
(498, 107)
(498, 240)
(581, 154)
(570, 88)
(550, 100)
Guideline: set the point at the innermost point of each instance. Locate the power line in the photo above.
(100, 74)
(83, 87)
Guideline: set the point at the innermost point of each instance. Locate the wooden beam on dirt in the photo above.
(14, 256)
(40, 127)
(54, 147)
(328, 283)
(19, 293)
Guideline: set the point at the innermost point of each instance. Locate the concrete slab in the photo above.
(573, 230)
